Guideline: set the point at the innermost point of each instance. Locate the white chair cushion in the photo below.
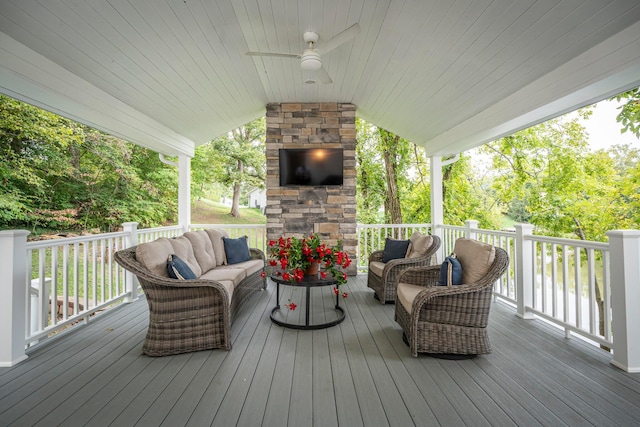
(407, 293)
(419, 245)
(475, 258)
(376, 267)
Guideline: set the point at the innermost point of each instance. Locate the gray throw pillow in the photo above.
(394, 249)
(236, 250)
(178, 269)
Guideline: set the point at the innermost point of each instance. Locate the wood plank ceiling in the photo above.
(448, 75)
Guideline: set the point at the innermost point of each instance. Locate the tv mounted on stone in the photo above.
(311, 166)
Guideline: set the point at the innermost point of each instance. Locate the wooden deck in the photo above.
(356, 373)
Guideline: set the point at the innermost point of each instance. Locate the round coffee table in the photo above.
(307, 282)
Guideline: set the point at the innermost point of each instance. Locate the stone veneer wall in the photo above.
(329, 211)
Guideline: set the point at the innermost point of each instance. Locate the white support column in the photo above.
(624, 246)
(184, 192)
(437, 211)
(130, 280)
(472, 226)
(524, 270)
(13, 304)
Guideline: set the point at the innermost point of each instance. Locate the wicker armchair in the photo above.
(447, 321)
(188, 315)
(385, 284)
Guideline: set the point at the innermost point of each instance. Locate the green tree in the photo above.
(629, 115)
(395, 154)
(467, 195)
(570, 191)
(58, 174)
(239, 160)
(370, 182)
(383, 163)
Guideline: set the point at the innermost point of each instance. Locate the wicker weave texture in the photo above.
(190, 315)
(385, 286)
(449, 320)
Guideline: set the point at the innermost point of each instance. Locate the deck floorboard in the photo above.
(356, 373)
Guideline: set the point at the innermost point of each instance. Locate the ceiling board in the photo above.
(427, 70)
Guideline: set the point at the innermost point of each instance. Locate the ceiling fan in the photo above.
(310, 59)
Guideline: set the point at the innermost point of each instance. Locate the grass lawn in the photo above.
(208, 212)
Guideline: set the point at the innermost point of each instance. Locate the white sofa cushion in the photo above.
(202, 249)
(182, 247)
(154, 255)
(216, 236)
(252, 266)
(220, 274)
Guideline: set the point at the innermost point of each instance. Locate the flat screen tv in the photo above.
(311, 166)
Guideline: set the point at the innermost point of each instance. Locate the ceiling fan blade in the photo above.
(340, 38)
(282, 55)
(323, 76)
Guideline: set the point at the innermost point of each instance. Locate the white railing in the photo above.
(566, 282)
(572, 287)
(69, 280)
(565, 275)
(151, 234)
(371, 237)
(256, 233)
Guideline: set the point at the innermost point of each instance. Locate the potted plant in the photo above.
(293, 258)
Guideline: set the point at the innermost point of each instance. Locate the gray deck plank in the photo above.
(324, 397)
(277, 410)
(383, 331)
(357, 373)
(88, 397)
(347, 407)
(49, 353)
(233, 401)
(483, 399)
(369, 401)
(256, 402)
(301, 404)
(42, 394)
(577, 377)
(212, 398)
(393, 404)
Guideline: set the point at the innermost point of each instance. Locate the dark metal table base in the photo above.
(306, 325)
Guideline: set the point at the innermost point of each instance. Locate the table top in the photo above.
(314, 280)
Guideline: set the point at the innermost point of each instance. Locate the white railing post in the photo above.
(184, 192)
(624, 247)
(130, 280)
(13, 304)
(437, 210)
(472, 226)
(524, 270)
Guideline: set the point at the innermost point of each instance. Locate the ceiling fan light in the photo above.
(310, 61)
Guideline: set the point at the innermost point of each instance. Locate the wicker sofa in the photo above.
(196, 314)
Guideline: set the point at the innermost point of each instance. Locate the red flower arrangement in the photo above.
(291, 257)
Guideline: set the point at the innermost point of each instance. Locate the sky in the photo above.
(604, 130)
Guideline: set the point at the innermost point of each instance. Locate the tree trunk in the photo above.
(445, 177)
(392, 201)
(235, 204)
